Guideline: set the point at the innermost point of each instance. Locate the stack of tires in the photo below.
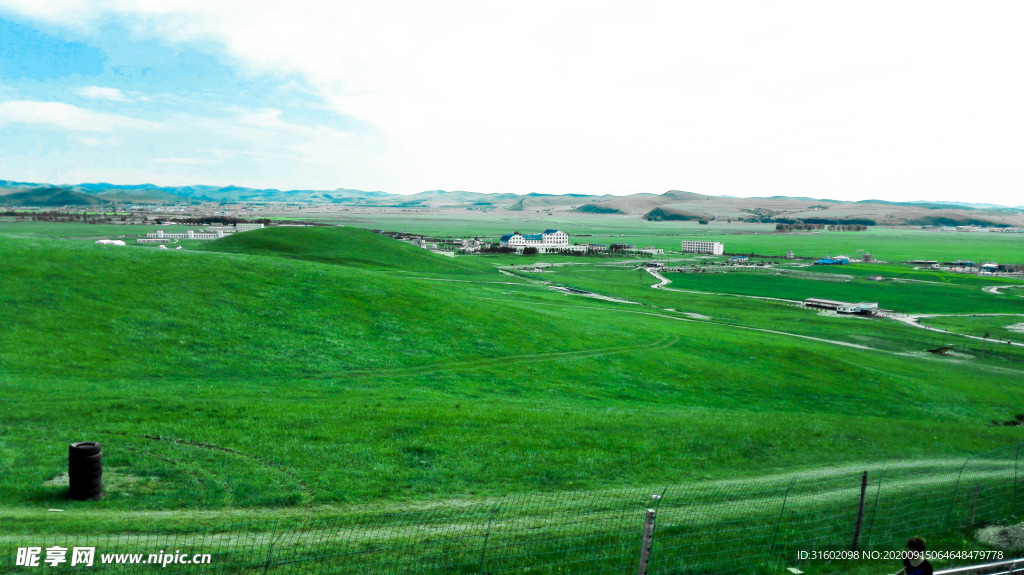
(85, 470)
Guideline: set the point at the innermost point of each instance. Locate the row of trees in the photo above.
(835, 228)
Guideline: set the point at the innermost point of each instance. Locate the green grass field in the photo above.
(290, 371)
(887, 244)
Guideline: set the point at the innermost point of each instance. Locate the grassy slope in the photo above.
(335, 384)
(340, 245)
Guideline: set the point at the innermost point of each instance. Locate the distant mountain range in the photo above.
(671, 205)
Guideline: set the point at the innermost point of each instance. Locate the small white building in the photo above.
(248, 227)
(651, 250)
(713, 248)
(470, 246)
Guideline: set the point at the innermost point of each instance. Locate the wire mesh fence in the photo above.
(737, 526)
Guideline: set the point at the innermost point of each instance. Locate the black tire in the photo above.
(84, 465)
(85, 477)
(85, 448)
(74, 457)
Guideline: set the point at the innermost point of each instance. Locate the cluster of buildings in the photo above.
(212, 233)
(980, 229)
(557, 241)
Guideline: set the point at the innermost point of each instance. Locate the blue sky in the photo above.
(897, 101)
(112, 106)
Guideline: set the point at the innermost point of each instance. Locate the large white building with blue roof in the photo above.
(548, 240)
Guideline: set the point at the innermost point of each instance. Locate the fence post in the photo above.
(487, 537)
(647, 542)
(860, 509)
(874, 511)
(778, 523)
(956, 490)
(974, 504)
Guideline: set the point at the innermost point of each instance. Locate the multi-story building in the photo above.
(713, 248)
(545, 239)
(545, 242)
(188, 235)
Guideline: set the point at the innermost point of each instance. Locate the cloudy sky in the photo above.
(840, 100)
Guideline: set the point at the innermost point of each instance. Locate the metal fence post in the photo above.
(647, 542)
(487, 537)
(956, 490)
(778, 522)
(860, 509)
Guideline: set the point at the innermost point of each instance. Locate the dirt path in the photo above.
(915, 320)
(663, 281)
(995, 289)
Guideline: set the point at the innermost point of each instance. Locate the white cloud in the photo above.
(180, 161)
(905, 100)
(67, 116)
(96, 92)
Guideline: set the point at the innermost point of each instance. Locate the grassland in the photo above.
(295, 370)
(887, 244)
(905, 296)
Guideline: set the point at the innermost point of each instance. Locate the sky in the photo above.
(857, 100)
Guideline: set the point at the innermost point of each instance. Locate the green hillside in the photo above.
(347, 246)
(303, 369)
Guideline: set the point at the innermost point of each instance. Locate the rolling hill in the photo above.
(346, 246)
(673, 204)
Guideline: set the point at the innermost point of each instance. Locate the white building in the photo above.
(188, 235)
(713, 248)
(545, 239)
(470, 246)
(248, 227)
(546, 242)
(651, 250)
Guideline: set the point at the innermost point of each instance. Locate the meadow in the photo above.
(886, 244)
(291, 371)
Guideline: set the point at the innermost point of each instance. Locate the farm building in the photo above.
(831, 262)
(471, 246)
(738, 259)
(790, 256)
(841, 306)
(597, 247)
(713, 248)
(622, 247)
